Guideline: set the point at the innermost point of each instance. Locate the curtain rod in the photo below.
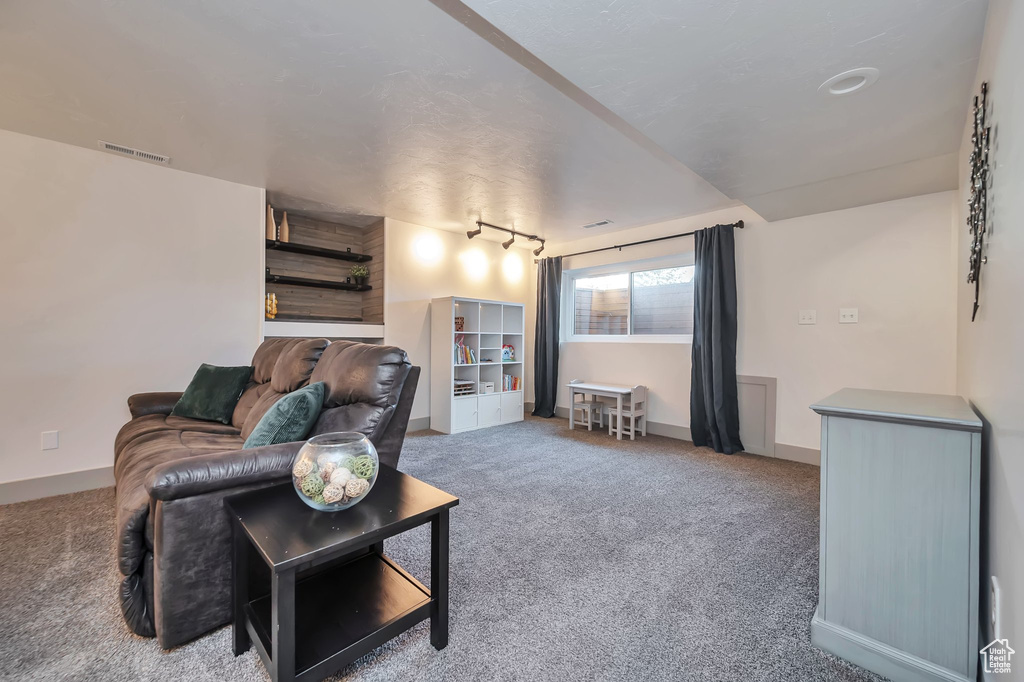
(738, 223)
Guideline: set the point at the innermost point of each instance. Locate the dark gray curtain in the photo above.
(714, 405)
(545, 347)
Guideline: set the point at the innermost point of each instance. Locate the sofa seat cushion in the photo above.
(153, 423)
(140, 454)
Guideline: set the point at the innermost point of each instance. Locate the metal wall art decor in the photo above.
(977, 205)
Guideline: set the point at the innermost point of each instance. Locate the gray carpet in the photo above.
(574, 557)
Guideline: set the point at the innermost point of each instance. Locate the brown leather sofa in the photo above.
(173, 473)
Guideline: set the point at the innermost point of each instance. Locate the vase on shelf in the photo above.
(271, 225)
(284, 234)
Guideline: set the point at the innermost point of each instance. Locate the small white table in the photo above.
(616, 391)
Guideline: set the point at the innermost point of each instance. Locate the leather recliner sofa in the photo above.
(172, 474)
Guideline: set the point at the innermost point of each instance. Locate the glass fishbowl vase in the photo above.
(335, 471)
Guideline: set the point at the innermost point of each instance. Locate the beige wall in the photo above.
(892, 261)
(990, 353)
(118, 277)
(423, 263)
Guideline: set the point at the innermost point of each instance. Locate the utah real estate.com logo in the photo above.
(996, 656)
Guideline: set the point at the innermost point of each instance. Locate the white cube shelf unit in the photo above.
(486, 327)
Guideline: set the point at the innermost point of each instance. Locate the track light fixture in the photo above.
(480, 225)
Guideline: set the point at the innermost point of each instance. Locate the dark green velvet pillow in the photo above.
(290, 418)
(213, 393)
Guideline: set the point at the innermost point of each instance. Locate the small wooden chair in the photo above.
(589, 409)
(636, 409)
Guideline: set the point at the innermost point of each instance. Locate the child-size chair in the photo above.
(589, 408)
(636, 409)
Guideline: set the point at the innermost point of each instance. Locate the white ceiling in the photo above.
(729, 87)
(425, 112)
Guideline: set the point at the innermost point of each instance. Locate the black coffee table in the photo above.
(314, 591)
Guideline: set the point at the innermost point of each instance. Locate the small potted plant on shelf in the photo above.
(360, 274)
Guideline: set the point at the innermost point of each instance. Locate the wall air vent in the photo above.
(134, 153)
(599, 223)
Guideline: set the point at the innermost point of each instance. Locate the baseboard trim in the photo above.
(794, 453)
(418, 424)
(875, 656)
(58, 484)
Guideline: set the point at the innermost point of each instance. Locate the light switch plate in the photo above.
(848, 316)
(49, 440)
(807, 317)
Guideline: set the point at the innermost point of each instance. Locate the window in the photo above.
(601, 304)
(662, 301)
(638, 301)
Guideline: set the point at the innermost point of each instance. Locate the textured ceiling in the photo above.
(378, 108)
(729, 87)
(541, 114)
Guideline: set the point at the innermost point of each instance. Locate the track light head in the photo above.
(536, 252)
(507, 244)
(473, 233)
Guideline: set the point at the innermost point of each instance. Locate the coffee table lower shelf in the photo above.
(342, 613)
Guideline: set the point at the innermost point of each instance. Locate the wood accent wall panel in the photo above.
(316, 304)
(305, 230)
(373, 300)
(311, 303)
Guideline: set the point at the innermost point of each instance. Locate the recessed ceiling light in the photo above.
(849, 82)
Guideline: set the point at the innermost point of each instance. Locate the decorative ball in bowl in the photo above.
(335, 471)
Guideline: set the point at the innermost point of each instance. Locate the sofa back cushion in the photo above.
(266, 356)
(361, 373)
(249, 397)
(295, 364)
(297, 357)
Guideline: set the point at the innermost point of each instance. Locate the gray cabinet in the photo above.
(900, 493)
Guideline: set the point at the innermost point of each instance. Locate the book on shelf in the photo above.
(510, 383)
(464, 355)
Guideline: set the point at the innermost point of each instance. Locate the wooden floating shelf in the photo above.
(318, 283)
(308, 250)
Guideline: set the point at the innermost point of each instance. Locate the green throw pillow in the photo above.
(213, 393)
(290, 418)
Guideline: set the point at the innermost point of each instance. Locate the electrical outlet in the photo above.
(807, 317)
(847, 316)
(49, 440)
(995, 595)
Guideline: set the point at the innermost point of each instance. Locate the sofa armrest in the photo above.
(142, 404)
(206, 473)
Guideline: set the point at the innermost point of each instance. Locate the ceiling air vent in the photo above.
(599, 223)
(134, 153)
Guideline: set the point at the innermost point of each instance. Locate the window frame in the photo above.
(568, 302)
